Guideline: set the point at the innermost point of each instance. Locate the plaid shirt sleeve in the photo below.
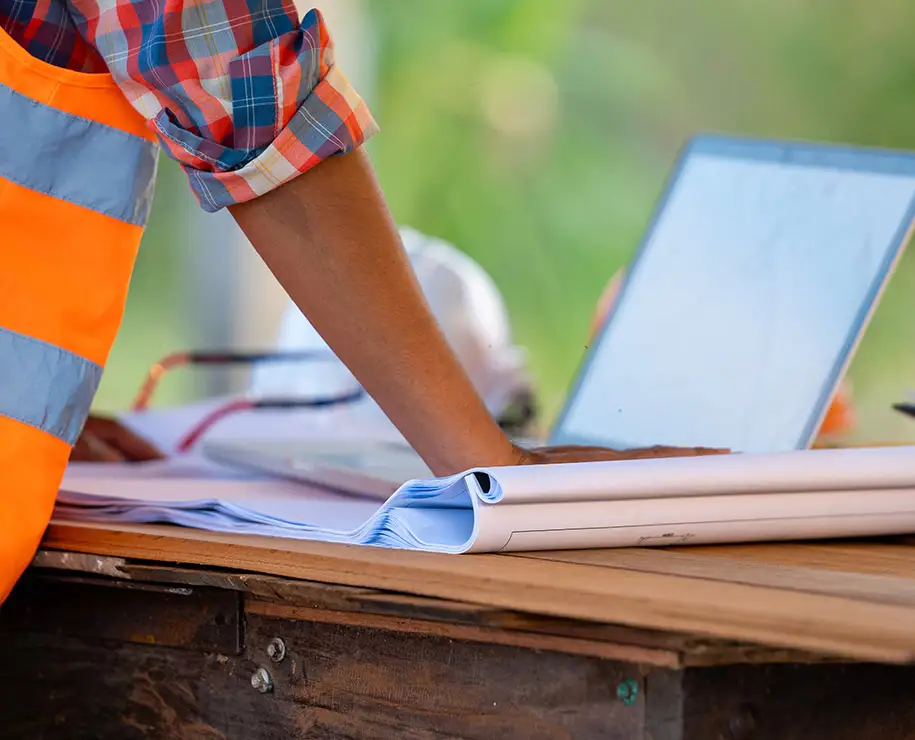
(240, 93)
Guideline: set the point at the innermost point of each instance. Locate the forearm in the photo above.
(330, 240)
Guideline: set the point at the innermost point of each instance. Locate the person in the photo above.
(249, 101)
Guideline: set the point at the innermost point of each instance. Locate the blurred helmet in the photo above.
(468, 308)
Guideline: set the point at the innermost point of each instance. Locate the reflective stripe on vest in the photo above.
(75, 159)
(45, 386)
(77, 169)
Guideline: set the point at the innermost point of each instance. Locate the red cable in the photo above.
(210, 419)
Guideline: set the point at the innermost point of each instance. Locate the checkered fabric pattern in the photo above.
(240, 93)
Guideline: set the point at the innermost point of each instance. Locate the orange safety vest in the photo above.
(77, 170)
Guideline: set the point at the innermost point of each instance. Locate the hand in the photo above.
(574, 453)
(106, 440)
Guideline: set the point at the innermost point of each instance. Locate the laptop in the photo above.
(738, 317)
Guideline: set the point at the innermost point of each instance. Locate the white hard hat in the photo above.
(467, 305)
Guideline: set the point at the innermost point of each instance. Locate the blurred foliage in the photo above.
(536, 135)
(156, 320)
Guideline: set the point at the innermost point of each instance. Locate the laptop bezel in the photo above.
(845, 157)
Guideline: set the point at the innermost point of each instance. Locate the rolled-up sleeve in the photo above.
(243, 95)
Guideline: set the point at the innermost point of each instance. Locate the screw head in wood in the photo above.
(276, 650)
(627, 692)
(261, 681)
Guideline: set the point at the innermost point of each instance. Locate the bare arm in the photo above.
(330, 240)
(326, 234)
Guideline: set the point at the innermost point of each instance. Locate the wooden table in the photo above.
(155, 632)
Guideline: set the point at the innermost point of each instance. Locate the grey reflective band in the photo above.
(44, 386)
(75, 159)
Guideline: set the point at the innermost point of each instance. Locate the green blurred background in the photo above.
(536, 135)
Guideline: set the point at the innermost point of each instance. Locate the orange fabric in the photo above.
(64, 274)
(85, 249)
(32, 463)
(93, 96)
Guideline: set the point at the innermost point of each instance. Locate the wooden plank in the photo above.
(834, 702)
(345, 681)
(471, 633)
(827, 624)
(335, 681)
(691, 649)
(58, 688)
(747, 570)
(198, 619)
(373, 601)
(329, 596)
(843, 557)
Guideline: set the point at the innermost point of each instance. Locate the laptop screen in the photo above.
(746, 298)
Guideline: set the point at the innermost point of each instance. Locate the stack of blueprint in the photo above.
(729, 498)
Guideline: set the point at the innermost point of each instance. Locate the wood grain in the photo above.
(346, 681)
(336, 680)
(779, 571)
(690, 650)
(834, 702)
(839, 625)
(470, 633)
(868, 558)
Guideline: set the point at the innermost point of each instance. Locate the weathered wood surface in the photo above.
(783, 568)
(782, 702)
(799, 605)
(92, 657)
(124, 676)
(655, 647)
(144, 613)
